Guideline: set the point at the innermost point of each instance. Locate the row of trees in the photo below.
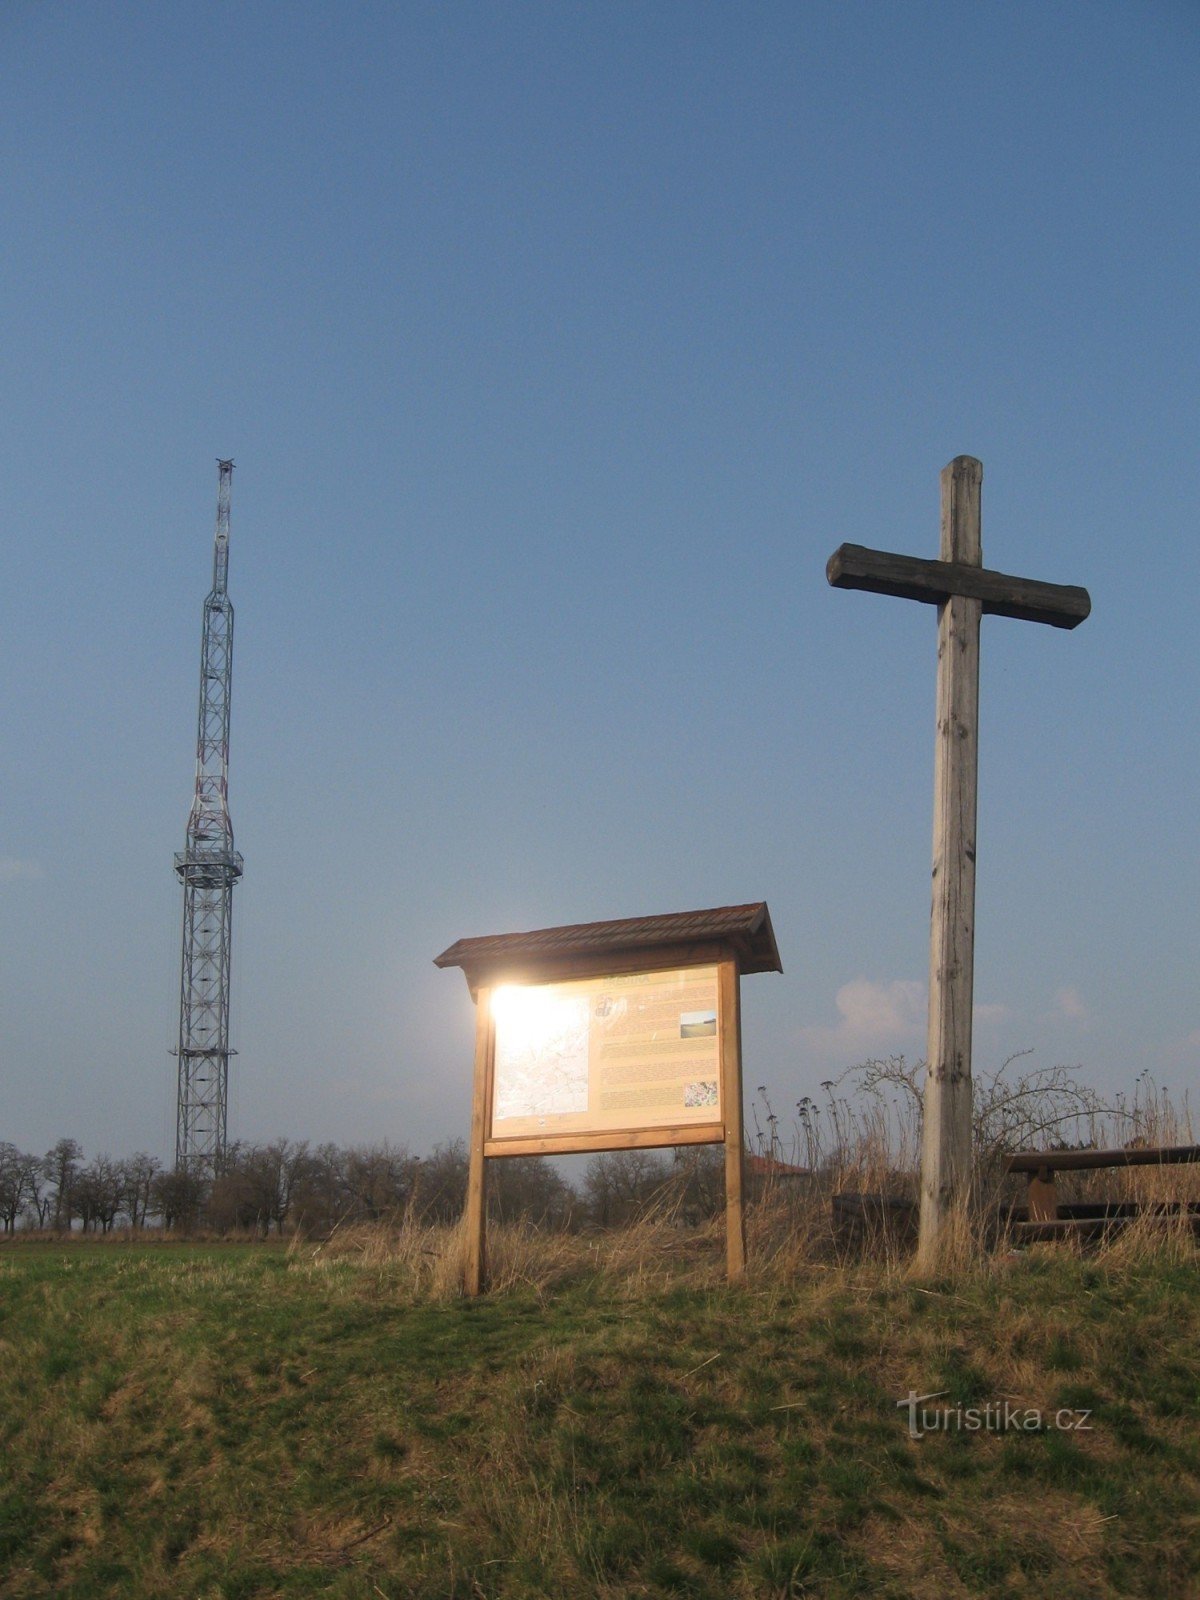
(288, 1185)
(57, 1189)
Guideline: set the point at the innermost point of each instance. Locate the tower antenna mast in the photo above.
(208, 867)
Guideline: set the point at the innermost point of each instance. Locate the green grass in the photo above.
(229, 1420)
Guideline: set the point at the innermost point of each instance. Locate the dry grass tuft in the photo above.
(425, 1262)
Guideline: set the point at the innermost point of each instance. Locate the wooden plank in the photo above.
(1098, 1227)
(1060, 605)
(610, 1139)
(946, 1146)
(1076, 1209)
(730, 1023)
(1068, 1228)
(865, 1216)
(475, 1270)
(1087, 1160)
(871, 1207)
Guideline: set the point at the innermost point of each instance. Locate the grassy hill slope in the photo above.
(236, 1420)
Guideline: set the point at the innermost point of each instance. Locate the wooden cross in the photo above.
(962, 589)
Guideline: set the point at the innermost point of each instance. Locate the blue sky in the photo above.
(557, 347)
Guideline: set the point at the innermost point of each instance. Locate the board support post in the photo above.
(475, 1267)
(731, 1096)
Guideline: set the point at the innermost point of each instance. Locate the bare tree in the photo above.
(179, 1197)
(319, 1200)
(530, 1188)
(61, 1167)
(258, 1184)
(240, 1196)
(378, 1180)
(292, 1164)
(97, 1192)
(621, 1184)
(444, 1182)
(37, 1199)
(85, 1198)
(137, 1197)
(698, 1174)
(13, 1185)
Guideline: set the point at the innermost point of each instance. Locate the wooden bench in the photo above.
(1049, 1218)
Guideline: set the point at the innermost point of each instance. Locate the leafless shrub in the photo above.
(860, 1146)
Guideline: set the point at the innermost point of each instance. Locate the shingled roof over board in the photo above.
(747, 929)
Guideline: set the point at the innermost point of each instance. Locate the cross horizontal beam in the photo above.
(853, 566)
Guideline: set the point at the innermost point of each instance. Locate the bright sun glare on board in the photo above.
(532, 1020)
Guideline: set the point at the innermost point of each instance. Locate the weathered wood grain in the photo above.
(963, 591)
(1167, 1155)
(946, 1151)
(475, 1270)
(730, 1015)
(1061, 605)
(548, 1144)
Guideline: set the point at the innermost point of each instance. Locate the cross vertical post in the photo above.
(946, 1135)
(963, 590)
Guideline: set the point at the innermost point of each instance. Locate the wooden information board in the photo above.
(611, 1036)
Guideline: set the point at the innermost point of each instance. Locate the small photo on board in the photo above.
(700, 1094)
(697, 1024)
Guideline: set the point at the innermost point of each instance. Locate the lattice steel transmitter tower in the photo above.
(208, 868)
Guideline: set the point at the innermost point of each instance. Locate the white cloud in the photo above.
(1069, 1003)
(11, 868)
(880, 1010)
(878, 1017)
(991, 1013)
(873, 1016)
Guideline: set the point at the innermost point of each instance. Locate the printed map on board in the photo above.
(541, 1063)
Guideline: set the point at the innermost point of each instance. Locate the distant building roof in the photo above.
(771, 1167)
(745, 929)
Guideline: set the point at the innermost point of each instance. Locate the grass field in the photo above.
(235, 1420)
